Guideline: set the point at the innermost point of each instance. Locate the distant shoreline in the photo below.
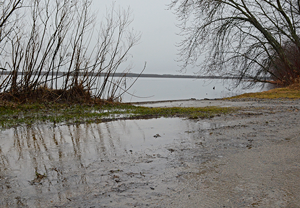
(134, 75)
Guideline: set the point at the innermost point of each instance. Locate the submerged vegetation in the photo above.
(12, 114)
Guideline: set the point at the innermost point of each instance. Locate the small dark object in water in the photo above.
(156, 135)
(171, 150)
(214, 88)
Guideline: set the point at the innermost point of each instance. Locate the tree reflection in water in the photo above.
(80, 159)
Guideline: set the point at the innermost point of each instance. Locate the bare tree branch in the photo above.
(243, 38)
(56, 46)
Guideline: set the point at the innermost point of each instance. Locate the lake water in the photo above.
(158, 89)
(155, 89)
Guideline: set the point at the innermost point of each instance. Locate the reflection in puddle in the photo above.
(207, 125)
(46, 164)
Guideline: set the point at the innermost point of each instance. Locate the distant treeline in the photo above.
(138, 75)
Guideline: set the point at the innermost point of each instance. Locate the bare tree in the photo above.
(8, 9)
(56, 47)
(243, 38)
(8, 17)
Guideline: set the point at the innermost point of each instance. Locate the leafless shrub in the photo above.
(8, 19)
(56, 47)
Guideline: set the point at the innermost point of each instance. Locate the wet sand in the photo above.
(249, 158)
(258, 163)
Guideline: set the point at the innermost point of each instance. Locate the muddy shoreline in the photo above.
(249, 158)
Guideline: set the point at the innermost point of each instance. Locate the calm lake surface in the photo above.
(159, 89)
(155, 89)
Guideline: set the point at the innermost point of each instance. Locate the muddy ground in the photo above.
(249, 158)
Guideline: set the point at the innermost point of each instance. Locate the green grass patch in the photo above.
(12, 114)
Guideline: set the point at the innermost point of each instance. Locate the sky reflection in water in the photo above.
(78, 159)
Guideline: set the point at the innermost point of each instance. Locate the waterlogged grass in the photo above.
(192, 113)
(17, 114)
(12, 114)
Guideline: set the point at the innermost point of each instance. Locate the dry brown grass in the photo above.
(76, 94)
(290, 92)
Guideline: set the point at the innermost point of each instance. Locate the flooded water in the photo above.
(247, 159)
(46, 164)
(154, 89)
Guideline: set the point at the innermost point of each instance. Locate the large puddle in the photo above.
(46, 165)
(237, 160)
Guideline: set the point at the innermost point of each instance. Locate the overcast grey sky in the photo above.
(159, 34)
